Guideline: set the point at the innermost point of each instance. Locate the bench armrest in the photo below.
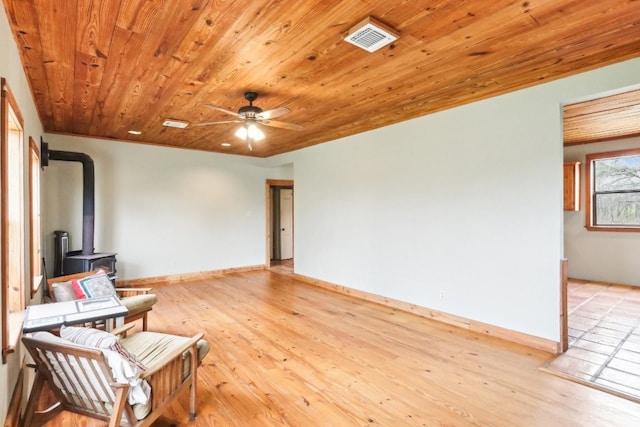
(177, 353)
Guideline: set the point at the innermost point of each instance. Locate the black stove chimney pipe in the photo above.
(88, 192)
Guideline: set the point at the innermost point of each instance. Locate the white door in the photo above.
(286, 223)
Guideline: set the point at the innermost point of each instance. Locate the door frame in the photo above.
(270, 183)
(563, 344)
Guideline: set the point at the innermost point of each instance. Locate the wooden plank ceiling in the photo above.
(603, 119)
(102, 68)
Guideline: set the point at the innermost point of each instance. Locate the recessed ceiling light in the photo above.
(135, 132)
(226, 144)
(172, 123)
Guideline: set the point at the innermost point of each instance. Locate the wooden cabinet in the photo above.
(572, 186)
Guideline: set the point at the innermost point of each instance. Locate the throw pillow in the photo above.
(63, 291)
(96, 285)
(98, 339)
(88, 336)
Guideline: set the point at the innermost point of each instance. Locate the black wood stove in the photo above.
(70, 262)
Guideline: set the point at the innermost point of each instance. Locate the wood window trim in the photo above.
(35, 244)
(11, 322)
(588, 188)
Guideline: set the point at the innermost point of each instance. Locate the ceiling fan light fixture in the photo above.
(251, 132)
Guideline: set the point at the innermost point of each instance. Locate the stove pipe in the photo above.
(88, 192)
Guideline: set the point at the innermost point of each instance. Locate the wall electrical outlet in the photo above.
(442, 295)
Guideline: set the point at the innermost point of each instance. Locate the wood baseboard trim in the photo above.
(186, 277)
(450, 319)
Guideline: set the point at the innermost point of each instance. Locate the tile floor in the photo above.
(604, 337)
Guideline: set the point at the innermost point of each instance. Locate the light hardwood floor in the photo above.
(284, 353)
(282, 266)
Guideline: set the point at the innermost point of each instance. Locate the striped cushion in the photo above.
(98, 339)
(88, 336)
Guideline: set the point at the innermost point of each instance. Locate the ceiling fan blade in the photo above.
(217, 123)
(224, 110)
(282, 125)
(275, 113)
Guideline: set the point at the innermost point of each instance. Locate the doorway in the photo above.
(280, 201)
(282, 223)
(599, 119)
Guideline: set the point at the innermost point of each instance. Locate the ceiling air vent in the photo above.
(172, 123)
(371, 35)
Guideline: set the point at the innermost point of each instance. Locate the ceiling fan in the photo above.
(251, 115)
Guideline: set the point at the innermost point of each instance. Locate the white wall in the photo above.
(599, 255)
(467, 202)
(11, 70)
(164, 211)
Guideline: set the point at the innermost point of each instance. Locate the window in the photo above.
(34, 216)
(12, 206)
(613, 191)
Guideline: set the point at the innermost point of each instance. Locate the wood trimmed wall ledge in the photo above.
(461, 322)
